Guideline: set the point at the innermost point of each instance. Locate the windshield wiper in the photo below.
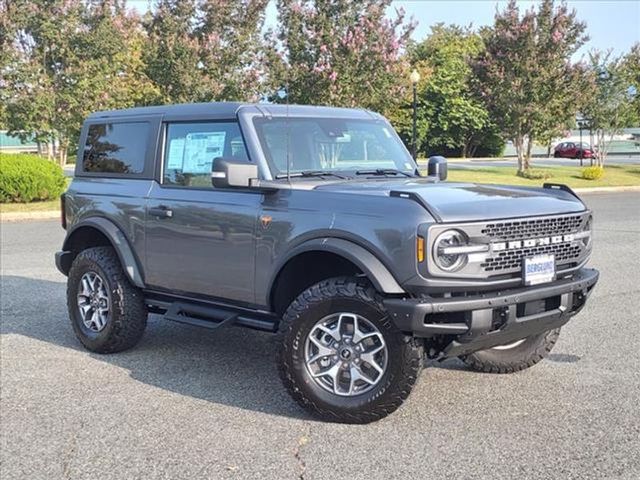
(311, 173)
(383, 171)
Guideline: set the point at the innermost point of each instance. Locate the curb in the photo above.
(630, 188)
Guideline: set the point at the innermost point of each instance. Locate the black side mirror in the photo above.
(230, 172)
(437, 167)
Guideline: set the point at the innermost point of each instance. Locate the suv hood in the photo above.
(460, 202)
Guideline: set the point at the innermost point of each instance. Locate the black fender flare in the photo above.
(367, 262)
(120, 244)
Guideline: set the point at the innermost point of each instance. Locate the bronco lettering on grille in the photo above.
(532, 242)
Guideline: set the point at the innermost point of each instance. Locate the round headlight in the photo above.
(447, 261)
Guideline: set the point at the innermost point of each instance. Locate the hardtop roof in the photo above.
(230, 109)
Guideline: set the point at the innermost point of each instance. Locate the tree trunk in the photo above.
(62, 155)
(472, 150)
(519, 144)
(527, 158)
(602, 147)
(465, 149)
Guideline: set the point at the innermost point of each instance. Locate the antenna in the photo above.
(286, 126)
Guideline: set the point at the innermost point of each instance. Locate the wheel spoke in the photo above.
(84, 309)
(357, 374)
(101, 318)
(369, 357)
(359, 336)
(95, 320)
(330, 331)
(323, 350)
(86, 286)
(332, 372)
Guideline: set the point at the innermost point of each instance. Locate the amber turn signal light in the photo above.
(420, 248)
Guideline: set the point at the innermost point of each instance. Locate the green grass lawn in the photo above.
(30, 207)
(614, 176)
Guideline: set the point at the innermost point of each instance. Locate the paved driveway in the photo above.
(190, 404)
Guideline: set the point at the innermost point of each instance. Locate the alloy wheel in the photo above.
(94, 301)
(346, 354)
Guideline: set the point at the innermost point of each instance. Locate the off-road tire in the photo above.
(355, 295)
(521, 357)
(128, 315)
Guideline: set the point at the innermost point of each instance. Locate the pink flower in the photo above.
(323, 48)
(556, 36)
(333, 76)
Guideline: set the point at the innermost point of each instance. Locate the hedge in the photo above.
(29, 178)
(593, 173)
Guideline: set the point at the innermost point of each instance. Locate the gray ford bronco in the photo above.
(315, 223)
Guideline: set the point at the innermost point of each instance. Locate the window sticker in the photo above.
(200, 149)
(175, 155)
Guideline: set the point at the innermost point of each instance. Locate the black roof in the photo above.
(229, 110)
(216, 108)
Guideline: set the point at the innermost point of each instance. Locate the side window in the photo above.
(191, 149)
(116, 148)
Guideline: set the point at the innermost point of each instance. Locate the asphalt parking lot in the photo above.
(194, 404)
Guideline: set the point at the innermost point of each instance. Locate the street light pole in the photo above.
(415, 78)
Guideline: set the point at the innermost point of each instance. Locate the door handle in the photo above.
(161, 212)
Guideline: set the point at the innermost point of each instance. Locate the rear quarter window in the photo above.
(116, 148)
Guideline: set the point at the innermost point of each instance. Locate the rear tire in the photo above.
(107, 312)
(325, 395)
(521, 356)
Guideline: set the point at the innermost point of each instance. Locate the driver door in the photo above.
(200, 241)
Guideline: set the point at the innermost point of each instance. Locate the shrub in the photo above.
(532, 174)
(28, 178)
(593, 173)
(491, 145)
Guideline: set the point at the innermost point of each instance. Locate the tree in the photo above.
(631, 71)
(612, 105)
(526, 76)
(69, 58)
(451, 115)
(205, 50)
(341, 53)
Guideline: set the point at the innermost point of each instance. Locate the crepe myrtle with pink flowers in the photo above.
(350, 54)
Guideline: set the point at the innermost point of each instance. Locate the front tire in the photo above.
(514, 357)
(107, 312)
(340, 356)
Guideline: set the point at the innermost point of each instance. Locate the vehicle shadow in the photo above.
(233, 367)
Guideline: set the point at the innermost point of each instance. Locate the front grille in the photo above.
(567, 253)
(503, 244)
(512, 259)
(541, 227)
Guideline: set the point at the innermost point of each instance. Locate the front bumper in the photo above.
(487, 320)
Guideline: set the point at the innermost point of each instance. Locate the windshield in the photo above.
(331, 145)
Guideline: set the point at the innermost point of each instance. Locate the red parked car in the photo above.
(573, 149)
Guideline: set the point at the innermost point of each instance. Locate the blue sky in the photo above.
(611, 24)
